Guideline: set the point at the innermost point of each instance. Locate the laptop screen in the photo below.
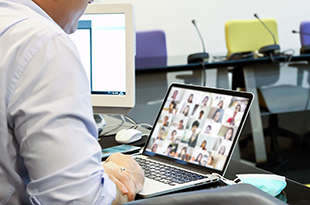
(199, 125)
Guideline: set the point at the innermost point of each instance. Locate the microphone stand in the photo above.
(199, 57)
(270, 49)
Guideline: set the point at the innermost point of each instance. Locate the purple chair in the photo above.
(151, 49)
(305, 37)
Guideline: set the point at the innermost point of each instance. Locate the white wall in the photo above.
(174, 17)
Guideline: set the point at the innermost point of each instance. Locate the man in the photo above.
(48, 137)
(166, 123)
(194, 136)
(161, 134)
(180, 125)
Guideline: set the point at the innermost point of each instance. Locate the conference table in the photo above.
(294, 193)
(152, 84)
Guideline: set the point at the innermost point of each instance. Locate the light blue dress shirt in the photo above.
(49, 152)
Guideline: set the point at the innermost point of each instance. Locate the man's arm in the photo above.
(125, 170)
(51, 115)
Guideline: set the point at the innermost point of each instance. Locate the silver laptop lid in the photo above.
(199, 126)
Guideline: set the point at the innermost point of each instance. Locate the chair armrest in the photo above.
(234, 194)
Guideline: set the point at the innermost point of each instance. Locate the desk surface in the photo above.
(294, 192)
(183, 66)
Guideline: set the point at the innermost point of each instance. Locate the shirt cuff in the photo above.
(108, 192)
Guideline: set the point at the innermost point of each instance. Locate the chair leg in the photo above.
(274, 132)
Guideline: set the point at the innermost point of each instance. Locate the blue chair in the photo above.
(305, 37)
(151, 50)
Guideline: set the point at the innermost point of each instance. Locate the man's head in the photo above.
(195, 125)
(161, 132)
(66, 13)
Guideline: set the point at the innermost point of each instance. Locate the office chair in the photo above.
(250, 36)
(304, 30)
(151, 52)
(234, 195)
(151, 49)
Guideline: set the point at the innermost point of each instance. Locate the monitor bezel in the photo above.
(115, 104)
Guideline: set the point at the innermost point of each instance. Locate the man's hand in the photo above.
(129, 180)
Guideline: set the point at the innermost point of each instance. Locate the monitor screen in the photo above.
(105, 40)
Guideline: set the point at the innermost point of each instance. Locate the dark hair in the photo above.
(218, 110)
(198, 156)
(169, 146)
(238, 105)
(185, 114)
(232, 129)
(209, 126)
(222, 147)
(174, 104)
(153, 146)
(191, 95)
(174, 131)
(195, 123)
(205, 98)
(221, 101)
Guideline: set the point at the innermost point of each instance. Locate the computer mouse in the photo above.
(127, 136)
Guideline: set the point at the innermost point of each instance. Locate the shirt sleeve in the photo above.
(51, 115)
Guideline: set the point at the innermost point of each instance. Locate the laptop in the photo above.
(193, 138)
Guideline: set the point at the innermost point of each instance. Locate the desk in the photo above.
(154, 81)
(295, 193)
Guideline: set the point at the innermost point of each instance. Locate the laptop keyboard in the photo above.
(166, 174)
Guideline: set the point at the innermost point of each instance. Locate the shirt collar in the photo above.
(33, 6)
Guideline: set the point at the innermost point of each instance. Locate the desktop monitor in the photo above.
(105, 39)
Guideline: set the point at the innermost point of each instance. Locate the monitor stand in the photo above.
(100, 122)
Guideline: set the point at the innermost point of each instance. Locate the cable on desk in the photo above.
(136, 125)
(147, 125)
(116, 128)
(283, 54)
(225, 180)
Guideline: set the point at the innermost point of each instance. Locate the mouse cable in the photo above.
(136, 125)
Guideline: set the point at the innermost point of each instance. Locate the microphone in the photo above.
(270, 49)
(302, 33)
(198, 57)
(306, 48)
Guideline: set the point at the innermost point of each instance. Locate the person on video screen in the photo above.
(194, 136)
(231, 120)
(205, 101)
(203, 145)
(190, 98)
(174, 95)
(229, 134)
(183, 153)
(186, 111)
(217, 115)
(161, 134)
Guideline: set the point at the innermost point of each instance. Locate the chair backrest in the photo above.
(151, 50)
(304, 28)
(249, 35)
